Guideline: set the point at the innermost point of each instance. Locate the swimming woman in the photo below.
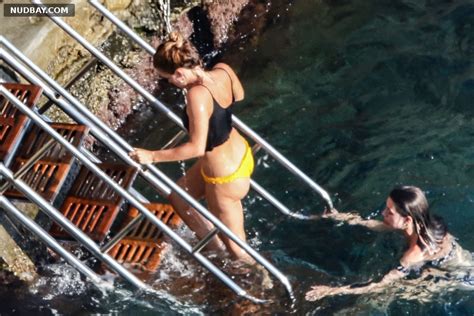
(225, 162)
(429, 243)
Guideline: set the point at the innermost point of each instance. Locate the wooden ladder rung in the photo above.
(145, 229)
(142, 253)
(12, 120)
(91, 204)
(49, 173)
(143, 245)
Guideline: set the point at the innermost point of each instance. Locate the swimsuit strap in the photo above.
(447, 257)
(209, 91)
(228, 75)
(231, 83)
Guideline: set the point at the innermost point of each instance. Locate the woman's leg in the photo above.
(194, 185)
(224, 200)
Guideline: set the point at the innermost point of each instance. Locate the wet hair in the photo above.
(174, 53)
(411, 201)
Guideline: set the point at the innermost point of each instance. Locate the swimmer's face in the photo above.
(392, 218)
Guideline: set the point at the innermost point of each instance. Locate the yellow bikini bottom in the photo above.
(243, 171)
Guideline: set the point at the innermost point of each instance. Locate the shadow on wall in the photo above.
(7, 75)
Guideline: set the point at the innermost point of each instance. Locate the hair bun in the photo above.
(177, 38)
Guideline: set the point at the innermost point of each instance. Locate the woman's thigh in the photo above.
(224, 201)
(193, 184)
(192, 181)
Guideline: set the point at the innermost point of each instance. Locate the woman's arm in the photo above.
(198, 110)
(317, 292)
(352, 218)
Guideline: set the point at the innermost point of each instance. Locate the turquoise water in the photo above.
(362, 96)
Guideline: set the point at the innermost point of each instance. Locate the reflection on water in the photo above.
(362, 95)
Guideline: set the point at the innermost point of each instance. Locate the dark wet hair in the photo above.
(411, 201)
(174, 53)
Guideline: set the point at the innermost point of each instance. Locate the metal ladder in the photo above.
(91, 245)
(144, 171)
(150, 173)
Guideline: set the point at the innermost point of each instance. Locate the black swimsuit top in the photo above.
(437, 263)
(220, 122)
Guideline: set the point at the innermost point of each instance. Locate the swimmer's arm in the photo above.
(352, 218)
(318, 292)
(198, 111)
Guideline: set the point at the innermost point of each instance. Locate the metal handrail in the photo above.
(137, 204)
(122, 26)
(237, 122)
(94, 129)
(39, 232)
(76, 110)
(91, 63)
(65, 223)
(137, 87)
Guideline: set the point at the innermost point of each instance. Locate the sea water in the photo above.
(361, 96)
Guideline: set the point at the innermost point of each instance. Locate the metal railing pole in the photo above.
(237, 122)
(80, 114)
(69, 227)
(133, 201)
(79, 108)
(100, 56)
(122, 26)
(285, 162)
(29, 163)
(282, 207)
(122, 233)
(48, 240)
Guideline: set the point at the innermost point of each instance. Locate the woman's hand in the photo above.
(142, 156)
(317, 292)
(350, 218)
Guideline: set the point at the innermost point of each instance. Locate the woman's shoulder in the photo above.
(413, 256)
(226, 68)
(223, 66)
(198, 94)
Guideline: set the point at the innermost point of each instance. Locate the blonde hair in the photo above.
(174, 53)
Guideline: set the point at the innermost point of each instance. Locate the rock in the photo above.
(116, 5)
(14, 259)
(222, 14)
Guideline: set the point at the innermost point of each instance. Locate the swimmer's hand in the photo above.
(351, 218)
(318, 292)
(142, 156)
